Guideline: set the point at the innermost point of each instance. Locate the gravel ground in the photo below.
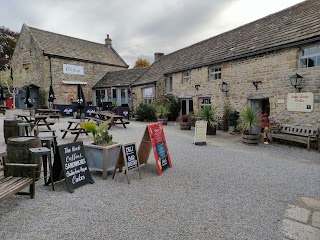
(224, 190)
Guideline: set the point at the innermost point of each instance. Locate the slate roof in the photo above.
(119, 78)
(70, 47)
(276, 31)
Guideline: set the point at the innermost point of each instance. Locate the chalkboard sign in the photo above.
(74, 165)
(159, 145)
(130, 157)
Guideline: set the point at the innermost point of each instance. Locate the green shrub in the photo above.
(174, 108)
(145, 112)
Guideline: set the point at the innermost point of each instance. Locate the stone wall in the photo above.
(272, 69)
(29, 55)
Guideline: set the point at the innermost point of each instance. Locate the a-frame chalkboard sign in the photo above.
(74, 165)
(130, 159)
(155, 139)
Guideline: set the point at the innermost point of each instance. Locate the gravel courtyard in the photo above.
(224, 190)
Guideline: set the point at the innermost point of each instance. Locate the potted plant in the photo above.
(162, 113)
(249, 119)
(103, 154)
(208, 114)
(185, 123)
(266, 123)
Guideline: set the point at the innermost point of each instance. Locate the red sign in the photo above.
(159, 146)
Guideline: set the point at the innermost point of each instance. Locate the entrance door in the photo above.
(260, 106)
(186, 106)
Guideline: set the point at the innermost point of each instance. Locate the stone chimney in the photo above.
(108, 41)
(157, 56)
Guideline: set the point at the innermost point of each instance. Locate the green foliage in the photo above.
(8, 41)
(174, 108)
(208, 114)
(161, 111)
(226, 115)
(145, 112)
(248, 118)
(99, 133)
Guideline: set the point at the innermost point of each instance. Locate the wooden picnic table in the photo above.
(74, 128)
(36, 121)
(47, 111)
(115, 119)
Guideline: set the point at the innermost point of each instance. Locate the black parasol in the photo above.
(27, 99)
(2, 97)
(99, 100)
(80, 99)
(51, 94)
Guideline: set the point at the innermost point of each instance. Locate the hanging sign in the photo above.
(157, 141)
(200, 134)
(74, 165)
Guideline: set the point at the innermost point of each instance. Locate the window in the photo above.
(204, 102)
(310, 57)
(169, 84)
(214, 73)
(148, 95)
(186, 77)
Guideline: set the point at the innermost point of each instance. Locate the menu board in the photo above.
(200, 134)
(74, 165)
(159, 145)
(130, 157)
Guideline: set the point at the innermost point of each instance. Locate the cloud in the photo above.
(138, 28)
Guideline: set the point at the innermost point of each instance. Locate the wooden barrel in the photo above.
(10, 128)
(18, 152)
(250, 138)
(185, 125)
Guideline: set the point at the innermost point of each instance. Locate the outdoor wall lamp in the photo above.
(224, 87)
(255, 83)
(295, 81)
(197, 86)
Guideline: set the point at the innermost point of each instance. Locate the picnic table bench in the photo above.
(73, 128)
(300, 134)
(10, 185)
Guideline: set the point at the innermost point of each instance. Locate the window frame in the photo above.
(169, 83)
(308, 56)
(186, 76)
(201, 105)
(151, 99)
(216, 74)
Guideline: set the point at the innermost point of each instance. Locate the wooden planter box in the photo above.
(185, 125)
(250, 138)
(102, 158)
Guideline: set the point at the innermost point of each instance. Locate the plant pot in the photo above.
(250, 138)
(102, 158)
(185, 125)
(211, 130)
(164, 121)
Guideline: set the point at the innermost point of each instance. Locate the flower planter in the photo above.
(211, 130)
(185, 125)
(102, 158)
(250, 138)
(164, 121)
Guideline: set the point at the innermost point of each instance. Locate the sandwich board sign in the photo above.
(200, 134)
(155, 139)
(130, 157)
(74, 165)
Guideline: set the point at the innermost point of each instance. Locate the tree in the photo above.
(141, 63)
(8, 41)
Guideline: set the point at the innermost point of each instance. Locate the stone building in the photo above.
(44, 58)
(250, 65)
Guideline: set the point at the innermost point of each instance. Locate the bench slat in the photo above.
(15, 187)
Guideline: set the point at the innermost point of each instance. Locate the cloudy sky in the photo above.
(138, 28)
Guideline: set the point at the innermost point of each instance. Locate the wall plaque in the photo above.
(300, 102)
(73, 69)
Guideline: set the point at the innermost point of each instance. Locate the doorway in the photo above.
(186, 106)
(260, 106)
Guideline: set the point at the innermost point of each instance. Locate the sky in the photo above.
(138, 28)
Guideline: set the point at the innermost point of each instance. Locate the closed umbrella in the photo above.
(99, 100)
(80, 99)
(1, 94)
(27, 99)
(51, 96)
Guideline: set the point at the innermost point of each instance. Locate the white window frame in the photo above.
(186, 77)
(148, 98)
(205, 101)
(169, 84)
(214, 73)
(309, 53)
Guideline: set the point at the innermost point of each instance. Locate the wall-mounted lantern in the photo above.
(224, 87)
(295, 81)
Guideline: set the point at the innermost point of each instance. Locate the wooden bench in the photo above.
(306, 135)
(10, 185)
